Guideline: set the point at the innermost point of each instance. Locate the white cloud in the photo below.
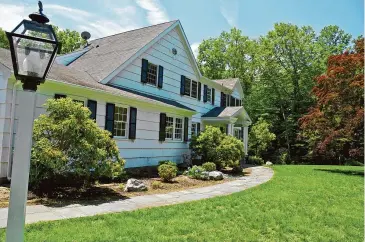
(11, 15)
(155, 11)
(69, 13)
(229, 10)
(195, 48)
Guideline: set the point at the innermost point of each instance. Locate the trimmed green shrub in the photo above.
(196, 172)
(156, 185)
(209, 166)
(230, 151)
(256, 160)
(166, 162)
(167, 172)
(214, 146)
(69, 146)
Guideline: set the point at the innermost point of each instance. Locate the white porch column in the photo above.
(230, 129)
(245, 139)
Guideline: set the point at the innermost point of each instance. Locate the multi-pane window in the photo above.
(169, 127)
(191, 88)
(174, 128)
(187, 86)
(152, 73)
(194, 89)
(209, 95)
(120, 121)
(193, 129)
(178, 128)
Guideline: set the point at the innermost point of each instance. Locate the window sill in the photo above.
(120, 137)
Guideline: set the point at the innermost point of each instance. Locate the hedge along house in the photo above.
(144, 86)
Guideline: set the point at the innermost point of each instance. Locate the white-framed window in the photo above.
(169, 127)
(178, 128)
(194, 129)
(209, 94)
(191, 88)
(152, 74)
(174, 128)
(120, 121)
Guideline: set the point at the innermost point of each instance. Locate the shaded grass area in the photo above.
(301, 203)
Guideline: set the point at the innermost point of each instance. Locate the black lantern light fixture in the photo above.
(33, 47)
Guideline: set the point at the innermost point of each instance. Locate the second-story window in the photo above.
(187, 86)
(194, 89)
(209, 94)
(152, 74)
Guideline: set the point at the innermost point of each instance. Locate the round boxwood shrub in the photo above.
(209, 166)
(167, 172)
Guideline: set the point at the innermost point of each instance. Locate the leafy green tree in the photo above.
(260, 137)
(70, 40)
(67, 143)
(4, 43)
(229, 55)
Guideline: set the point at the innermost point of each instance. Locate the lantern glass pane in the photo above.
(32, 56)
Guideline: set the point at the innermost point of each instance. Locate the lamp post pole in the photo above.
(33, 47)
(21, 165)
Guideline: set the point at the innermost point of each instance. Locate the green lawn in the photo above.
(301, 203)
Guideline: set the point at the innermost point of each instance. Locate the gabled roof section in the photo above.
(229, 83)
(73, 76)
(222, 112)
(109, 53)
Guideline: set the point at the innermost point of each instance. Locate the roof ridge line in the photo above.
(134, 30)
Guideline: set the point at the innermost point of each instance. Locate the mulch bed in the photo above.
(100, 193)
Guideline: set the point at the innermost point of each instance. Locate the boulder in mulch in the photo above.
(134, 185)
(268, 163)
(215, 175)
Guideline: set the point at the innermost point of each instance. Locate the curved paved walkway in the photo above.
(38, 213)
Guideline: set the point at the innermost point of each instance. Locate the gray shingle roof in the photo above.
(108, 53)
(222, 112)
(229, 83)
(73, 76)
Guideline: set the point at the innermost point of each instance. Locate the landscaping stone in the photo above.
(216, 175)
(204, 175)
(134, 185)
(268, 163)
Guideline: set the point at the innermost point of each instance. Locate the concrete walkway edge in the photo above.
(39, 213)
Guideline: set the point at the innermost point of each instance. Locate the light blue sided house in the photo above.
(143, 85)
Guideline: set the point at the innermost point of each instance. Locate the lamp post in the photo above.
(33, 46)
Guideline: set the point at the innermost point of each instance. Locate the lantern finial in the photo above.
(39, 16)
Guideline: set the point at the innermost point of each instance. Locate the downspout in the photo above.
(12, 119)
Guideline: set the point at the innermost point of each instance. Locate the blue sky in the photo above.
(201, 19)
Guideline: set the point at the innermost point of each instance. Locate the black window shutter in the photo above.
(213, 95)
(144, 70)
(182, 85)
(242, 134)
(58, 96)
(91, 104)
(162, 133)
(223, 100)
(160, 76)
(198, 128)
(109, 118)
(199, 91)
(132, 123)
(186, 129)
(205, 91)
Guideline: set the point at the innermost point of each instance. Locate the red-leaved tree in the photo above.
(334, 126)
